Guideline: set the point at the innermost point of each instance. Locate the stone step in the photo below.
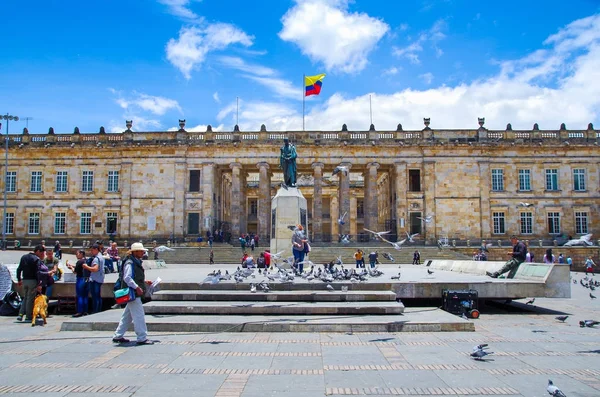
(275, 296)
(273, 308)
(417, 319)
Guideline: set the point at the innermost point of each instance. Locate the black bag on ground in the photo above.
(11, 302)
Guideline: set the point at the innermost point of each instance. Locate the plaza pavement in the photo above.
(530, 348)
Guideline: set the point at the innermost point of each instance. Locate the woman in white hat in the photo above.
(133, 276)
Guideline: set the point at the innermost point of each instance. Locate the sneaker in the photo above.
(120, 340)
(492, 275)
(76, 315)
(20, 317)
(144, 342)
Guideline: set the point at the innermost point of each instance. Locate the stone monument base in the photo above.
(288, 209)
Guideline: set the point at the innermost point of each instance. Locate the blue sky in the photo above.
(71, 63)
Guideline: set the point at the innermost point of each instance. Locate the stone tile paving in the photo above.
(529, 349)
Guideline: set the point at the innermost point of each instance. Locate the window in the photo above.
(87, 181)
(34, 223)
(579, 179)
(113, 181)
(60, 221)
(526, 223)
(111, 222)
(194, 180)
(11, 182)
(253, 207)
(497, 180)
(581, 222)
(36, 182)
(499, 226)
(414, 180)
(61, 181)
(524, 180)
(552, 179)
(360, 208)
(86, 223)
(554, 222)
(9, 226)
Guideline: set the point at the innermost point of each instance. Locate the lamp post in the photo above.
(8, 118)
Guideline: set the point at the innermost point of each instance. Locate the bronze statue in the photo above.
(287, 162)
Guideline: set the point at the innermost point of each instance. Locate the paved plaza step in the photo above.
(250, 308)
(275, 296)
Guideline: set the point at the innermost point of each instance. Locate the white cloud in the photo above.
(560, 83)
(240, 64)
(189, 50)
(281, 87)
(198, 128)
(139, 101)
(433, 36)
(427, 77)
(180, 8)
(216, 97)
(327, 32)
(391, 71)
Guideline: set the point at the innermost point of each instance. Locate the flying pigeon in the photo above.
(388, 256)
(479, 352)
(562, 319)
(397, 245)
(411, 236)
(163, 248)
(330, 288)
(526, 205)
(530, 301)
(340, 168)
(427, 219)
(376, 234)
(554, 391)
(345, 239)
(588, 323)
(341, 220)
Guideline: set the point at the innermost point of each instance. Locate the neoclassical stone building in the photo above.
(180, 184)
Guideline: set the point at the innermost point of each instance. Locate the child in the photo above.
(589, 264)
(211, 258)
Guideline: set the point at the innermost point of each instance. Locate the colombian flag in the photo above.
(313, 84)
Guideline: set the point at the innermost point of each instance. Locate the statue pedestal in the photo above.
(288, 209)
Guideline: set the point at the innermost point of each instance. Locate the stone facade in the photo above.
(181, 184)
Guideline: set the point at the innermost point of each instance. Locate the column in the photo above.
(400, 188)
(352, 219)
(344, 199)
(484, 204)
(236, 200)
(429, 201)
(208, 197)
(124, 224)
(334, 208)
(244, 201)
(370, 201)
(317, 218)
(179, 186)
(264, 202)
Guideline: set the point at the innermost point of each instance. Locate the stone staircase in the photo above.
(229, 254)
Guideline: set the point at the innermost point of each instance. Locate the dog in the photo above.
(40, 307)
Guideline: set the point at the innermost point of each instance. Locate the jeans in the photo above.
(82, 291)
(29, 292)
(96, 298)
(299, 257)
(49, 291)
(133, 313)
(108, 264)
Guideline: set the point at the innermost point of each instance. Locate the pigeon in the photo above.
(530, 302)
(341, 220)
(562, 319)
(397, 245)
(479, 352)
(396, 277)
(430, 272)
(252, 288)
(340, 168)
(411, 236)
(592, 296)
(388, 256)
(574, 281)
(554, 391)
(427, 219)
(588, 323)
(330, 288)
(345, 239)
(526, 205)
(376, 234)
(163, 248)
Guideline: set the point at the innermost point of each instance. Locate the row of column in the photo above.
(237, 205)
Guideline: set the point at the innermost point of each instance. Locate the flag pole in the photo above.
(237, 110)
(303, 98)
(370, 109)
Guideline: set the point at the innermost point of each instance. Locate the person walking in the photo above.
(96, 277)
(517, 257)
(27, 278)
(211, 258)
(134, 277)
(298, 241)
(416, 258)
(589, 265)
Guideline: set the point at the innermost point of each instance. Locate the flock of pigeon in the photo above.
(589, 283)
(479, 353)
